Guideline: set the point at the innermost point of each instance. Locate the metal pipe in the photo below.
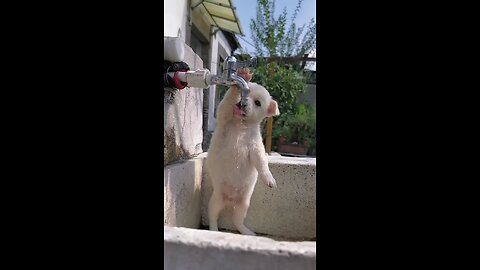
(203, 78)
(244, 89)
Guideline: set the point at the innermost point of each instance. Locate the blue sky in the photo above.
(246, 10)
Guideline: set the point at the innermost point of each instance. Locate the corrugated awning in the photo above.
(221, 14)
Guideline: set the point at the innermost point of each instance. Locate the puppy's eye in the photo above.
(257, 102)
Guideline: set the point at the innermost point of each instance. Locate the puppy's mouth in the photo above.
(238, 111)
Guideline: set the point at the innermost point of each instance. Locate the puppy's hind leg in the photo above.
(239, 214)
(215, 206)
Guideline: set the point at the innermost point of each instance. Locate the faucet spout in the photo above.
(235, 79)
(244, 89)
(230, 77)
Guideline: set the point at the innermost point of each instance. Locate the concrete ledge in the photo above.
(287, 211)
(196, 249)
(182, 193)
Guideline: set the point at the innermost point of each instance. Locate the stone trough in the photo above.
(284, 219)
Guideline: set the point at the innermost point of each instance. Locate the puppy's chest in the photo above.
(236, 144)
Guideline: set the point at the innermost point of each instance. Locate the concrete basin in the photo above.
(196, 249)
(286, 213)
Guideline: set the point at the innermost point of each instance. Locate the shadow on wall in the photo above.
(182, 194)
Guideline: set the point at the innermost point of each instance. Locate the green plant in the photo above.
(284, 83)
(279, 131)
(302, 125)
(271, 37)
(298, 128)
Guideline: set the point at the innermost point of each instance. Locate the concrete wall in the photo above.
(182, 193)
(183, 117)
(195, 249)
(287, 211)
(178, 20)
(183, 110)
(289, 205)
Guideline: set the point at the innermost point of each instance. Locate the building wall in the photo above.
(180, 20)
(219, 46)
(175, 18)
(183, 118)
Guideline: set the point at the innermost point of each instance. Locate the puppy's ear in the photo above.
(273, 109)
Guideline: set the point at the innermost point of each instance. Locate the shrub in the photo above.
(284, 83)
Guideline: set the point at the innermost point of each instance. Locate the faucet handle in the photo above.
(229, 66)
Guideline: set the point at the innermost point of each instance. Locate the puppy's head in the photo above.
(260, 105)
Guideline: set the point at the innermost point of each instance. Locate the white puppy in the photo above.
(236, 156)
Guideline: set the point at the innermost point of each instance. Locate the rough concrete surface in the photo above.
(181, 193)
(183, 118)
(287, 211)
(196, 249)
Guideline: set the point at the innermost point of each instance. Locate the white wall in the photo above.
(175, 18)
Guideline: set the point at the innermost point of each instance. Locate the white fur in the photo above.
(236, 156)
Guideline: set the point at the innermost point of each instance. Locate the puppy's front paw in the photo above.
(270, 181)
(245, 74)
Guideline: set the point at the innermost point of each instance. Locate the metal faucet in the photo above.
(202, 78)
(230, 77)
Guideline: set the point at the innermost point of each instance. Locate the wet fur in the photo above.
(236, 157)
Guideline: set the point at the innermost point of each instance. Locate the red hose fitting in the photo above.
(176, 81)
